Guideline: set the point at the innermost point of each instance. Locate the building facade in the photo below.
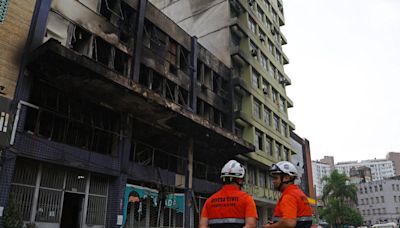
(246, 36)
(319, 171)
(380, 168)
(120, 117)
(395, 158)
(379, 201)
(361, 174)
(329, 160)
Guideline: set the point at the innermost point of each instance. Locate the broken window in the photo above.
(80, 40)
(155, 39)
(64, 119)
(207, 76)
(200, 68)
(121, 62)
(158, 83)
(144, 76)
(217, 118)
(183, 96)
(172, 55)
(200, 107)
(148, 155)
(102, 51)
(158, 41)
(216, 83)
(57, 28)
(110, 9)
(127, 24)
(184, 60)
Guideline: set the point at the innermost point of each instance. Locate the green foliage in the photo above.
(12, 216)
(340, 199)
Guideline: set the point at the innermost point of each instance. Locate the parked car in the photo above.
(385, 225)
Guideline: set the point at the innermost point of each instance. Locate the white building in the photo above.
(379, 201)
(320, 170)
(380, 168)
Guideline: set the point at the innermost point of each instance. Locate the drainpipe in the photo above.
(16, 120)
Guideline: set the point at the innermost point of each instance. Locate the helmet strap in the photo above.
(284, 182)
(239, 181)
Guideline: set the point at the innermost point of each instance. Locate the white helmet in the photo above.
(284, 167)
(233, 169)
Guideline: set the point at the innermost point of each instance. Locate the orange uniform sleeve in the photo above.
(204, 212)
(251, 210)
(289, 207)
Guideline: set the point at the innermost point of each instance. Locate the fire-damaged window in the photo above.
(184, 60)
(64, 119)
(110, 56)
(148, 155)
(127, 24)
(111, 9)
(172, 56)
(205, 171)
(166, 88)
(219, 118)
(219, 85)
(210, 113)
(102, 51)
(80, 40)
(121, 62)
(155, 39)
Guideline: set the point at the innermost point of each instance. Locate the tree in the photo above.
(340, 200)
(12, 216)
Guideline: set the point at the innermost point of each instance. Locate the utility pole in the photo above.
(316, 205)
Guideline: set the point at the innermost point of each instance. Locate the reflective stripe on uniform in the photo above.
(299, 219)
(226, 220)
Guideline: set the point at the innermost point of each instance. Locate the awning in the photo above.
(312, 201)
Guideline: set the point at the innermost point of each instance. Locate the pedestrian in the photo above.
(293, 208)
(230, 207)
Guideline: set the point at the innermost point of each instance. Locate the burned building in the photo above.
(120, 119)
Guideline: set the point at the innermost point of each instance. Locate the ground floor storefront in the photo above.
(54, 196)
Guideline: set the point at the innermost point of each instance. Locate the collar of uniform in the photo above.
(289, 187)
(231, 187)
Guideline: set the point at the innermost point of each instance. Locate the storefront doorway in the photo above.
(72, 210)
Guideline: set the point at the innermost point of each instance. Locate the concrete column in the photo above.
(188, 184)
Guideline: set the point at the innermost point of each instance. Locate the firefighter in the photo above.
(293, 208)
(230, 207)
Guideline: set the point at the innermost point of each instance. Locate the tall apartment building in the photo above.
(121, 117)
(380, 168)
(379, 201)
(319, 171)
(395, 158)
(246, 36)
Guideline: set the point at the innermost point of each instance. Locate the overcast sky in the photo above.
(344, 63)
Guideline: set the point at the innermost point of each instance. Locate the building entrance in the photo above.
(72, 210)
